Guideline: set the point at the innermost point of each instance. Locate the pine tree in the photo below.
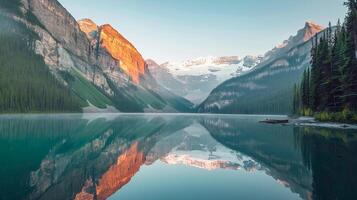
(350, 80)
(308, 89)
(318, 92)
(305, 89)
(338, 64)
(296, 100)
(325, 69)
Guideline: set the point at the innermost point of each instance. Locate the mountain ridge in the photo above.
(267, 88)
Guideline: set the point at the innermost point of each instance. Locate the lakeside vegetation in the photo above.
(328, 90)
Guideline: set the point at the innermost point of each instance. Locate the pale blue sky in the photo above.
(173, 30)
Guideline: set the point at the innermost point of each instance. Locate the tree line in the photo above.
(328, 88)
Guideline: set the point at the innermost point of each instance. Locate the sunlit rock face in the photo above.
(121, 49)
(89, 28)
(118, 47)
(311, 29)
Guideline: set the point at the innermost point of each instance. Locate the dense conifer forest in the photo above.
(328, 89)
(26, 84)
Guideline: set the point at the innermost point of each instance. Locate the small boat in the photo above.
(275, 121)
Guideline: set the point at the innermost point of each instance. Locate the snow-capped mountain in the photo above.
(194, 79)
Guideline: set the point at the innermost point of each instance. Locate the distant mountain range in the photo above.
(195, 79)
(268, 88)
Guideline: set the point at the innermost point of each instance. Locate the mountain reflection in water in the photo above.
(91, 156)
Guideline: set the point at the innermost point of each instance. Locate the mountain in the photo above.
(106, 40)
(268, 87)
(92, 68)
(118, 47)
(195, 79)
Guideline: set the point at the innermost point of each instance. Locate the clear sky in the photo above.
(174, 30)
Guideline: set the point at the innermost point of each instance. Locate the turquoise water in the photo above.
(173, 157)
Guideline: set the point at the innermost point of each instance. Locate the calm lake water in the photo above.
(176, 157)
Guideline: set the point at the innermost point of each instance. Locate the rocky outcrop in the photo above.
(89, 28)
(62, 26)
(311, 29)
(109, 40)
(121, 49)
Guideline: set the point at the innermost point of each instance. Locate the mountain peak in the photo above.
(88, 27)
(122, 50)
(311, 29)
(113, 32)
(87, 21)
(151, 62)
(312, 24)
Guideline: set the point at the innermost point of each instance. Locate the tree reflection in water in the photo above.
(91, 157)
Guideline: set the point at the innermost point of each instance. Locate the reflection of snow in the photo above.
(194, 146)
(220, 158)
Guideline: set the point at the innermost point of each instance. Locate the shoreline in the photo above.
(312, 122)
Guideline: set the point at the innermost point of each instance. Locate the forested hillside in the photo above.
(328, 89)
(26, 84)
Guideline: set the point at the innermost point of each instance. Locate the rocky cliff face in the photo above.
(63, 45)
(121, 49)
(118, 47)
(62, 26)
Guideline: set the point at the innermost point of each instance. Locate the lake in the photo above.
(161, 157)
